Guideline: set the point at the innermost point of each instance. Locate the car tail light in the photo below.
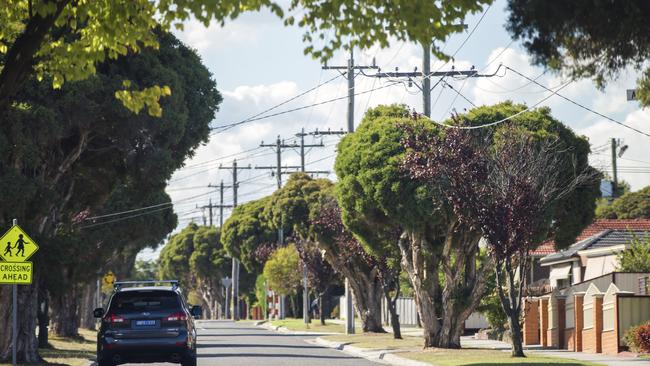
(115, 319)
(175, 317)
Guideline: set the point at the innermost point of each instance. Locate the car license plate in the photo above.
(145, 323)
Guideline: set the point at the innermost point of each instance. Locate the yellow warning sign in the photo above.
(109, 278)
(16, 273)
(16, 245)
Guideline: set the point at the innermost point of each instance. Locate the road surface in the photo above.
(243, 344)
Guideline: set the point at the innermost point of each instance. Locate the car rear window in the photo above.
(145, 301)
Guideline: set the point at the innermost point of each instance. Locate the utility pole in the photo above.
(614, 170)
(235, 261)
(349, 75)
(426, 74)
(278, 168)
(209, 206)
(220, 206)
(426, 82)
(618, 149)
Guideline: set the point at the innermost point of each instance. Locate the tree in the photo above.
(388, 211)
(320, 274)
(145, 270)
(507, 182)
(585, 38)
(71, 156)
(196, 257)
(631, 205)
(32, 41)
(247, 230)
(636, 258)
(282, 271)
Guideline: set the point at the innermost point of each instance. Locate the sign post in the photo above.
(15, 270)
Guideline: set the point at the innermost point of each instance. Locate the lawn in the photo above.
(485, 357)
(70, 351)
(314, 326)
(411, 347)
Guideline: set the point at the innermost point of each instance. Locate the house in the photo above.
(592, 255)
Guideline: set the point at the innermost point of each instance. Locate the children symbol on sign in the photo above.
(20, 244)
(8, 249)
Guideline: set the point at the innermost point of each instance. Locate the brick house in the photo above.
(593, 254)
(591, 305)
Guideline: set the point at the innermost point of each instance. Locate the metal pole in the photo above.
(221, 205)
(351, 92)
(614, 174)
(305, 297)
(302, 150)
(349, 311)
(426, 82)
(14, 322)
(210, 211)
(235, 262)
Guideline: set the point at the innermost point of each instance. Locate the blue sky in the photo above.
(258, 63)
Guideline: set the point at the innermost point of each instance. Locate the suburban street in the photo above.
(229, 343)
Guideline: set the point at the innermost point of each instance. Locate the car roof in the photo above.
(147, 288)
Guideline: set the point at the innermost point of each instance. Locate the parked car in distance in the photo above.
(147, 322)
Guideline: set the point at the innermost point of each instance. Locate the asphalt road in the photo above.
(237, 344)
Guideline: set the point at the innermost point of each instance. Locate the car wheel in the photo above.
(104, 362)
(189, 361)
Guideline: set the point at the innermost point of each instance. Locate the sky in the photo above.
(259, 63)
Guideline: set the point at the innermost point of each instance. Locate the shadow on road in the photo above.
(274, 355)
(236, 345)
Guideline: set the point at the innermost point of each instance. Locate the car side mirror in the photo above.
(98, 313)
(196, 311)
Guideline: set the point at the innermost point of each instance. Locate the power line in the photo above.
(305, 107)
(255, 117)
(579, 104)
(144, 208)
(503, 119)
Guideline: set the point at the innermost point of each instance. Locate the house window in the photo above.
(564, 282)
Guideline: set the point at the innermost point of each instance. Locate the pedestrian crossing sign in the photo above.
(16, 245)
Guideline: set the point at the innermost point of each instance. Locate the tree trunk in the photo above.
(446, 282)
(27, 344)
(292, 301)
(365, 287)
(89, 294)
(65, 321)
(516, 336)
(321, 308)
(391, 304)
(43, 318)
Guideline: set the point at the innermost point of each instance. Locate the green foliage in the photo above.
(260, 293)
(290, 207)
(365, 23)
(631, 205)
(583, 39)
(145, 270)
(637, 338)
(282, 271)
(492, 309)
(196, 258)
(375, 194)
(246, 230)
(636, 258)
(95, 31)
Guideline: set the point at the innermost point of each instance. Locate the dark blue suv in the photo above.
(147, 324)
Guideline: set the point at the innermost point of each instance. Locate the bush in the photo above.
(638, 338)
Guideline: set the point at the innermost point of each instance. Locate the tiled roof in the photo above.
(604, 239)
(548, 247)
